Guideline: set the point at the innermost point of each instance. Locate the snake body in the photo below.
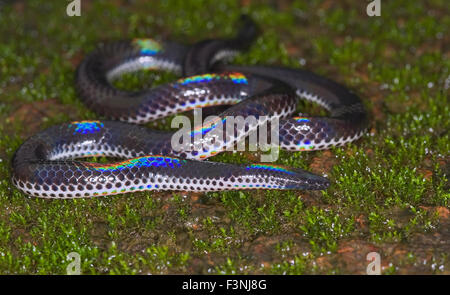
(43, 165)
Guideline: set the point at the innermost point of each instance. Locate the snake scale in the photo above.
(45, 165)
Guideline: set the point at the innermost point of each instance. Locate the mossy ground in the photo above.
(390, 189)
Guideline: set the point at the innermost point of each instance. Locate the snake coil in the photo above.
(43, 166)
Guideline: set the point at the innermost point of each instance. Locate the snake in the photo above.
(46, 164)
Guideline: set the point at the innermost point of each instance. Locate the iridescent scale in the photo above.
(44, 167)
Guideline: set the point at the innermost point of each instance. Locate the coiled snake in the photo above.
(43, 165)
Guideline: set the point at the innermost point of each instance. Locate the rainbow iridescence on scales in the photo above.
(146, 161)
(306, 144)
(86, 127)
(147, 46)
(269, 167)
(237, 78)
(216, 122)
(234, 77)
(301, 119)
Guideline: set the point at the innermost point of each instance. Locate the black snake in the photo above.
(43, 165)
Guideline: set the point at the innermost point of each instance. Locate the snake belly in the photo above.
(44, 167)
